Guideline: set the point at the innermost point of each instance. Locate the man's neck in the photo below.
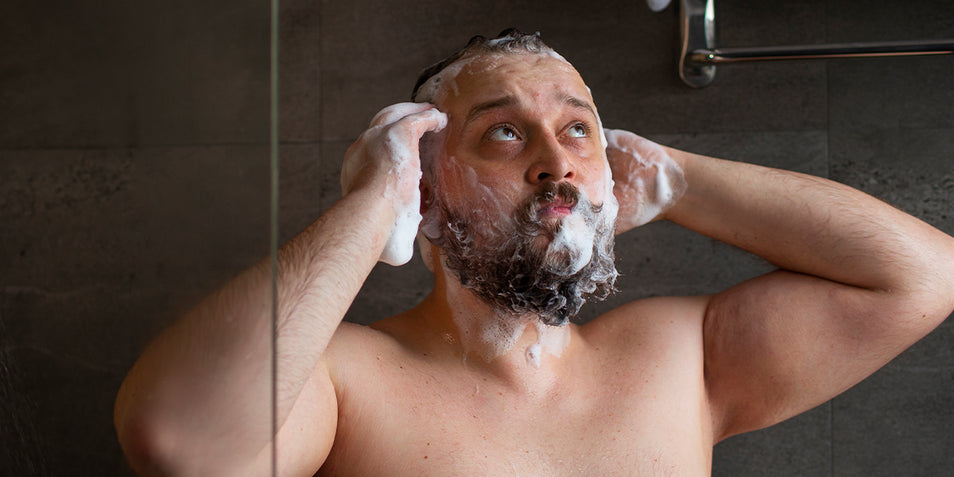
(518, 349)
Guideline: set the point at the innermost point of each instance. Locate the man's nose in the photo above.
(550, 163)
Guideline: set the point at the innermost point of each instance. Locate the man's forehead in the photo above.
(499, 80)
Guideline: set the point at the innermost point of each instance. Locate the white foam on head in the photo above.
(438, 86)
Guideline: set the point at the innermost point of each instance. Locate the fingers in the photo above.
(429, 120)
(397, 111)
(393, 140)
(410, 119)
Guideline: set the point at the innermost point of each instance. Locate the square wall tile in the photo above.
(118, 74)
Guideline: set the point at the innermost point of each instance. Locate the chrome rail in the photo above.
(699, 55)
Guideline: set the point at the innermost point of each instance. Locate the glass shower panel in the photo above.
(134, 182)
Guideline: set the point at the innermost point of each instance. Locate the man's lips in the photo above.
(555, 209)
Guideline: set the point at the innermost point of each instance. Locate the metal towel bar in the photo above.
(698, 56)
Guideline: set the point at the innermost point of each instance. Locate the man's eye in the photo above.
(578, 130)
(502, 133)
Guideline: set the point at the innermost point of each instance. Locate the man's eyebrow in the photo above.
(577, 103)
(481, 108)
(511, 100)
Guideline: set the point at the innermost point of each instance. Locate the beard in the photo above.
(506, 266)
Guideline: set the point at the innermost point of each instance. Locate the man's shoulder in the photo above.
(656, 319)
(354, 344)
(352, 338)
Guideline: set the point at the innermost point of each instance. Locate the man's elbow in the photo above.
(921, 294)
(916, 311)
(152, 445)
(155, 445)
(145, 449)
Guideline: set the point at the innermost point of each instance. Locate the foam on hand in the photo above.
(404, 177)
(651, 180)
(400, 245)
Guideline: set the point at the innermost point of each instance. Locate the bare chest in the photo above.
(420, 421)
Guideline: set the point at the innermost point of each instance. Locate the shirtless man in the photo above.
(486, 376)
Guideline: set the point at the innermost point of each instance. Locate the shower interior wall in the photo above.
(134, 180)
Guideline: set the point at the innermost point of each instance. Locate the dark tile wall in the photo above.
(134, 180)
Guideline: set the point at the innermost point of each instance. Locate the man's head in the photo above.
(518, 193)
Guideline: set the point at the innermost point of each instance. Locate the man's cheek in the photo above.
(481, 197)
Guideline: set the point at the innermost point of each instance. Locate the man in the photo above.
(487, 376)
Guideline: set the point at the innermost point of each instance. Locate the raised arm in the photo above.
(198, 401)
(859, 282)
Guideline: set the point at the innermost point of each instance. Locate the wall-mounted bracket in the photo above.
(699, 56)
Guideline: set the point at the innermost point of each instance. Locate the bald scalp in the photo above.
(509, 41)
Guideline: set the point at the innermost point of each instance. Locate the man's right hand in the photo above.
(386, 158)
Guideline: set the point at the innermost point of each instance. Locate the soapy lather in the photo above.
(404, 173)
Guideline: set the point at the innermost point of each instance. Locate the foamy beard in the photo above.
(524, 270)
(511, 259)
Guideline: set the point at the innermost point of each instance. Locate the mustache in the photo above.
(550, 193)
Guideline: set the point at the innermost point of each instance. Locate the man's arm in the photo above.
(860, 281)
(198, 401)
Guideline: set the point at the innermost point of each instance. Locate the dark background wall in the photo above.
(134, 177)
